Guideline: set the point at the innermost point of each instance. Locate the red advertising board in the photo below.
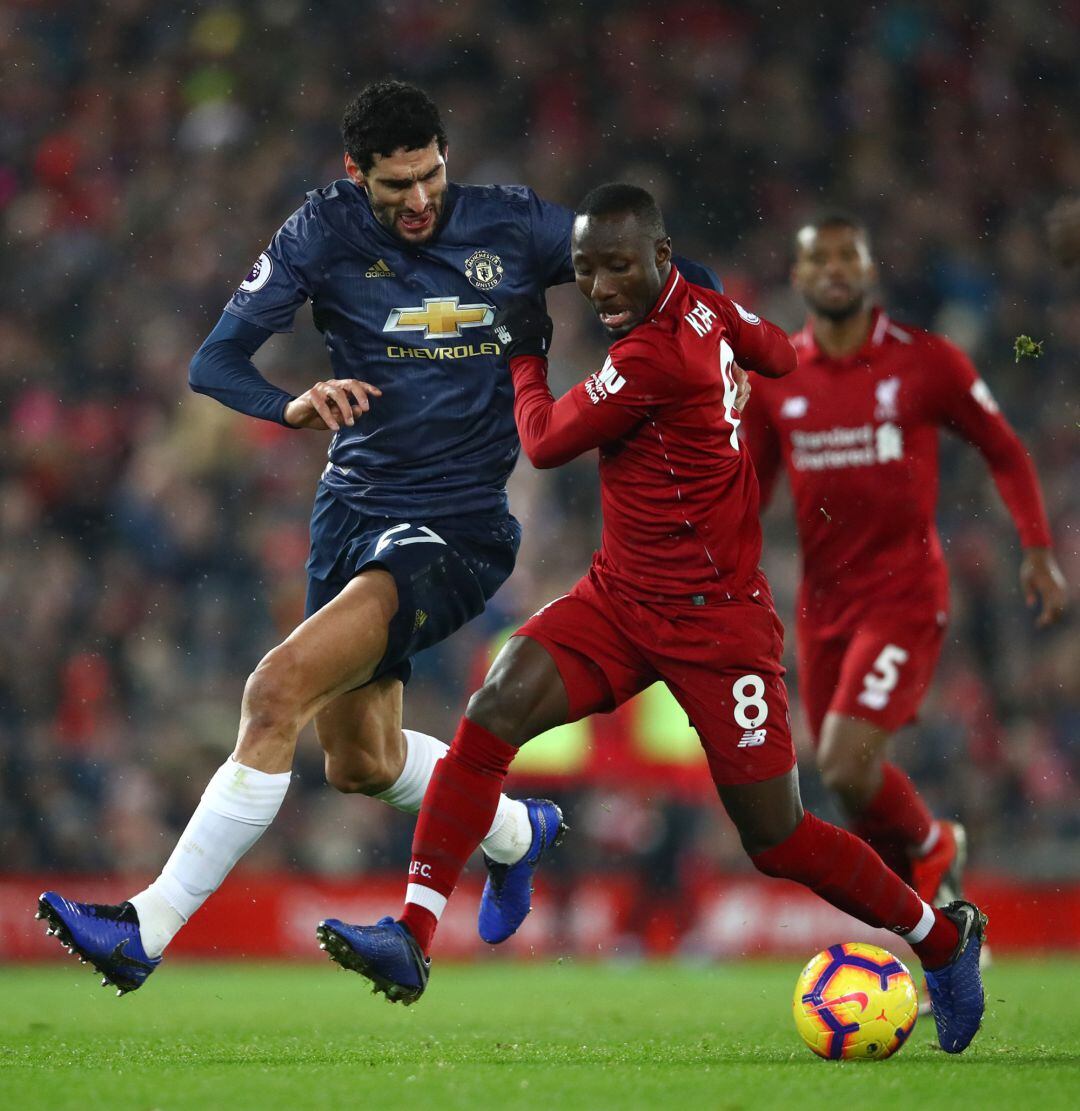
(274, 916)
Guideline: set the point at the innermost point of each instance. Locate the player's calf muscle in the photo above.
(361, 772)
(359, 760)
(850, 758)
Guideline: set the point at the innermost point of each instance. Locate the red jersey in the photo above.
(679, 495)
(859, 438)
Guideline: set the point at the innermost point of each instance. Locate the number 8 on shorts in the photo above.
(750, 707)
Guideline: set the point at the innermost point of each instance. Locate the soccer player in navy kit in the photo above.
(411, 532)
(675, 594)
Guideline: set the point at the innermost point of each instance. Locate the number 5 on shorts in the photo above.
(880, 681)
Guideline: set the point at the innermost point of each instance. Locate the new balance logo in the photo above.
(379, 270)
(752, 738)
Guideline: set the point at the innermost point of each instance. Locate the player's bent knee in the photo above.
(759, 837)
(272, 699)
(494, 708)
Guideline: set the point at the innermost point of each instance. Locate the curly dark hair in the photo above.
(387, 115)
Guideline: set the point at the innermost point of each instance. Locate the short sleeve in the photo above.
(551, 227)
(278, 283)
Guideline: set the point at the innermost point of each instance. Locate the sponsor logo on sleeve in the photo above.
(258, 275)
(606, 381)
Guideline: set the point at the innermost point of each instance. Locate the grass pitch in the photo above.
(561, 1034)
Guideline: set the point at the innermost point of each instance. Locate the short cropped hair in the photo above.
(834, 219)
(617, 198)
(386, 116)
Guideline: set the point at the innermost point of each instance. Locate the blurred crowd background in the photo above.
(152, 542)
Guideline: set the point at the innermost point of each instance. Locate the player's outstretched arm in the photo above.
(967, 406)
(1043, 585)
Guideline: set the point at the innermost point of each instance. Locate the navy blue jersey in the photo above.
(416, 322)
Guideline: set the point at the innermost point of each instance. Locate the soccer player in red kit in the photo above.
(675, 594)
(857, 428)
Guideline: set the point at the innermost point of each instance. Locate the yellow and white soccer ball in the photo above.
(855, 1002)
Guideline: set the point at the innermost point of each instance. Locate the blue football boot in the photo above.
(956, 990)
(386, 953)
(106, 936)
(507, 897)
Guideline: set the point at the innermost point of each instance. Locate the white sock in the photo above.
(238, 804)
(422, 753)
(510, 835)
(931, 840)
(921, 928)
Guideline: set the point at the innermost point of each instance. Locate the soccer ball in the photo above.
(855, 1002)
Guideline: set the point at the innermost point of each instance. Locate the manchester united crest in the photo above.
(484, 269)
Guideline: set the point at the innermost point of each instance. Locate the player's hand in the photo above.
(742, 383)
(1063, 231)
(523, 327)
(1042, 582)
(331, 404)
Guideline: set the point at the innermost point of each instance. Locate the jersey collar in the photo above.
(879, 327)
(664, 300)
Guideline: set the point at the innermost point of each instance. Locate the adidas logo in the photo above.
(378, 270)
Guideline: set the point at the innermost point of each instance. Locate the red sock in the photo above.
(896, 815)
(846, 872)
(458, 809)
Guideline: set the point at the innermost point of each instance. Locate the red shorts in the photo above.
(720, 660)
(879, 672)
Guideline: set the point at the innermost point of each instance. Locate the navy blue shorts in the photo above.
(446, 570)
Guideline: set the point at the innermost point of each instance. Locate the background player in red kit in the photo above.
(675, 594)
(857, 428)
